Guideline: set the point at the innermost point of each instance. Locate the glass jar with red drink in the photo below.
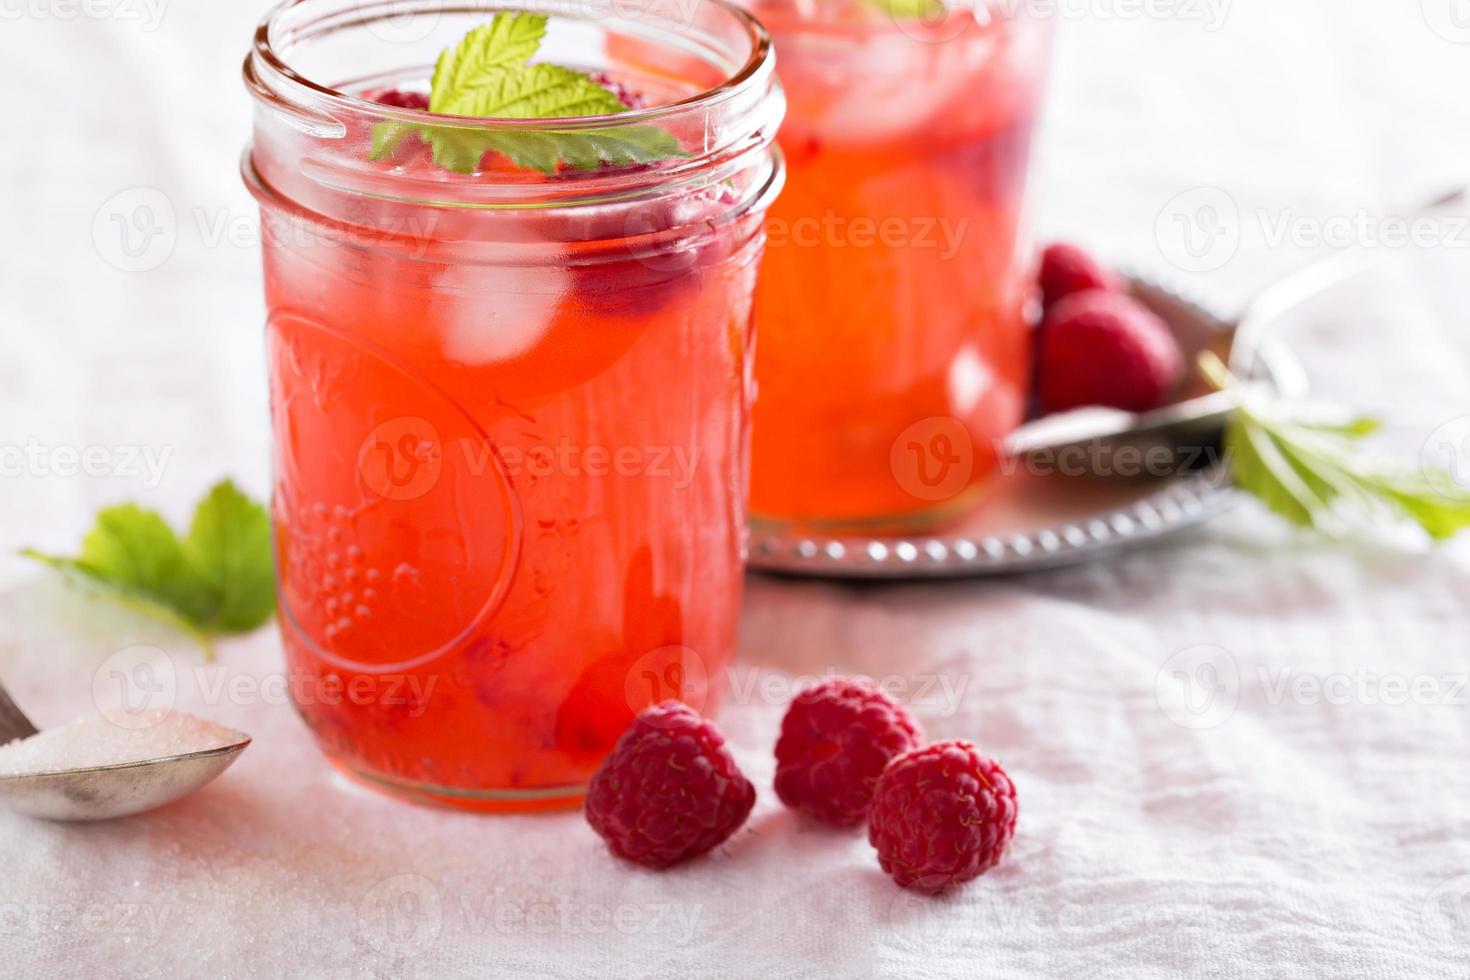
(510, 404)
(892, 354)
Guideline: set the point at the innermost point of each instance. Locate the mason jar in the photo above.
(510, 406)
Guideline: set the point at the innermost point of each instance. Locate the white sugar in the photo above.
(115, 738)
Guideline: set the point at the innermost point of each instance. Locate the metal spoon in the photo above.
(1197, 419)
(103, 792)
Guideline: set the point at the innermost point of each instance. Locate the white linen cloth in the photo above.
(1320, 828)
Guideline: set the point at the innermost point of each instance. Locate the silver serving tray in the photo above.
(1027, 521)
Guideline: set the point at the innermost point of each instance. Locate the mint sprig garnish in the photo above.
(217, 579)
(1317, 474)
(488, 76)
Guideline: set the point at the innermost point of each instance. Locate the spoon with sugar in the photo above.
(108, 765)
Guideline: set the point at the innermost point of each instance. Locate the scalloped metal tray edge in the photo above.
(1164, 509)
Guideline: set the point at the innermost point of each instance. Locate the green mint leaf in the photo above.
(460, 150)
(229, 551)
(533, 92)
(1442, 517)
(1259, 469)
(1356, 428)
(388, 136)
(510, 40)
(219, 579)
(1314, 473)
(135, 550)
(488, 76)
(79, 575)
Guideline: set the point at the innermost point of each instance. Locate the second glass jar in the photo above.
(892, 353)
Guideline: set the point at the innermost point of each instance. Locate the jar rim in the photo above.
(264, 56)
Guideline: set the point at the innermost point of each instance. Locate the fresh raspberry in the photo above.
(400, 99)
(1066, 269)
(835, 740)
(942, 814)
(670, 790)
(1107, 349)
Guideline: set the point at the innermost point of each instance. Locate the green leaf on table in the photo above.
(487, 76)
(1316, 473)
(228, 549)
(218, 579)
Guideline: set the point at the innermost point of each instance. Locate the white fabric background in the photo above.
(1295, 838)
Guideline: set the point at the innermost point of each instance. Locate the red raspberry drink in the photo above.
(892, 351)
(509, 369)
